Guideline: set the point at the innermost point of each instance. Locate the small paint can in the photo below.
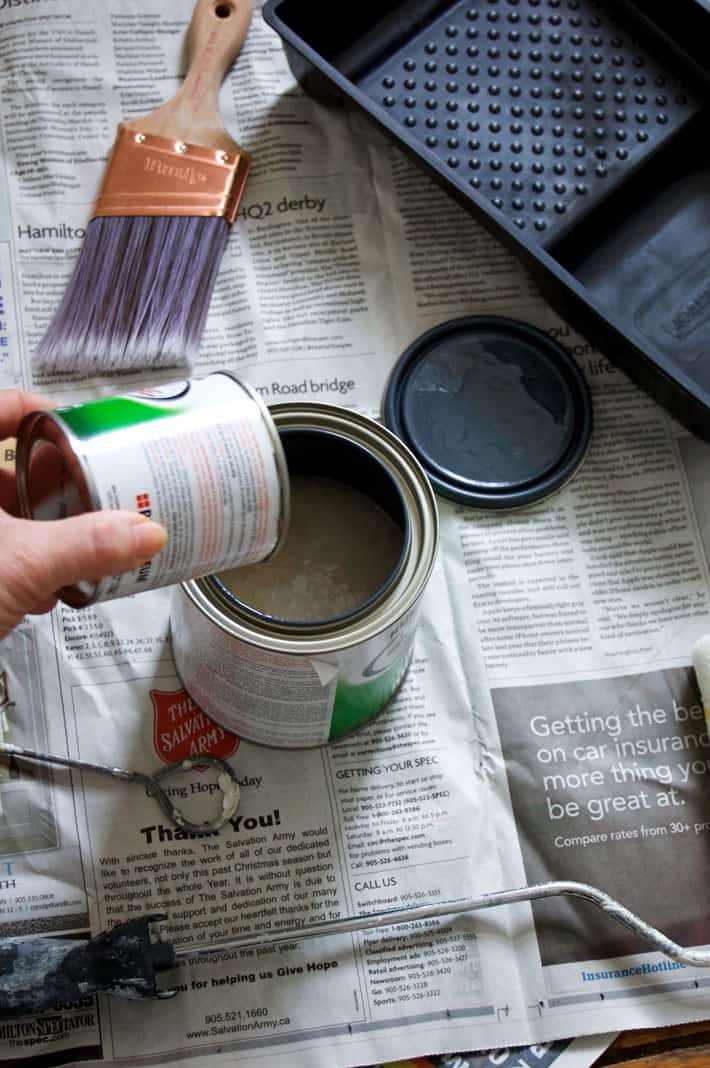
(200, 456)
(295, 685)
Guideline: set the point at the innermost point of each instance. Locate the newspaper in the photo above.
(565, 1053)
(549, 727)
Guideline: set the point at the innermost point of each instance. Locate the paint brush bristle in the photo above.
(138, 297)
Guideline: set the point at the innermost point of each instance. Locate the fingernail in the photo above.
(149, 537)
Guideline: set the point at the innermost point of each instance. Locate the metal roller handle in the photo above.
(38, 973)
(697, 958)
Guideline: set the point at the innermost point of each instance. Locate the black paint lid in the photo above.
(497, 412)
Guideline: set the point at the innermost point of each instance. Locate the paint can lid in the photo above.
(498, 413)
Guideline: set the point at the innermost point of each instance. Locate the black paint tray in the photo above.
(575, 130)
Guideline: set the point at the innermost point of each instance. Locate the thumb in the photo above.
(40, 557)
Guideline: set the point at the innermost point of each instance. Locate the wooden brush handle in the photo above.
(215, 37)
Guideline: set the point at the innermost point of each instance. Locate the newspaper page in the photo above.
(565, 1053)
(549, 726)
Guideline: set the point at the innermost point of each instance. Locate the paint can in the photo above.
(295, 685)
(200, 456)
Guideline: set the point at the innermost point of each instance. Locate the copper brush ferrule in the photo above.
(151, 175)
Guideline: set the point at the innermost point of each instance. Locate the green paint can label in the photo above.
(280, 699)
(202, 457)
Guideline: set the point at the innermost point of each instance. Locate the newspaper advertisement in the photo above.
(549, 727)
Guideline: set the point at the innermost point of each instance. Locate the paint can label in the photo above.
(201, 458)
(281, 699)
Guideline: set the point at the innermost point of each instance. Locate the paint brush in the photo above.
(141, 288)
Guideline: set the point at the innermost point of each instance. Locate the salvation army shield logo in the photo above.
(181, 729)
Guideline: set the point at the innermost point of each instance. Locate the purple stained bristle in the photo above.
(138, 297)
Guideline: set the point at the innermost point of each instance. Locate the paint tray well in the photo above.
(541, 117)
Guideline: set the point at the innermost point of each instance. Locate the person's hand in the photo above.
(38, 558)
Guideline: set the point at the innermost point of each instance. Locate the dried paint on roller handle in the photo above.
(202, 457)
